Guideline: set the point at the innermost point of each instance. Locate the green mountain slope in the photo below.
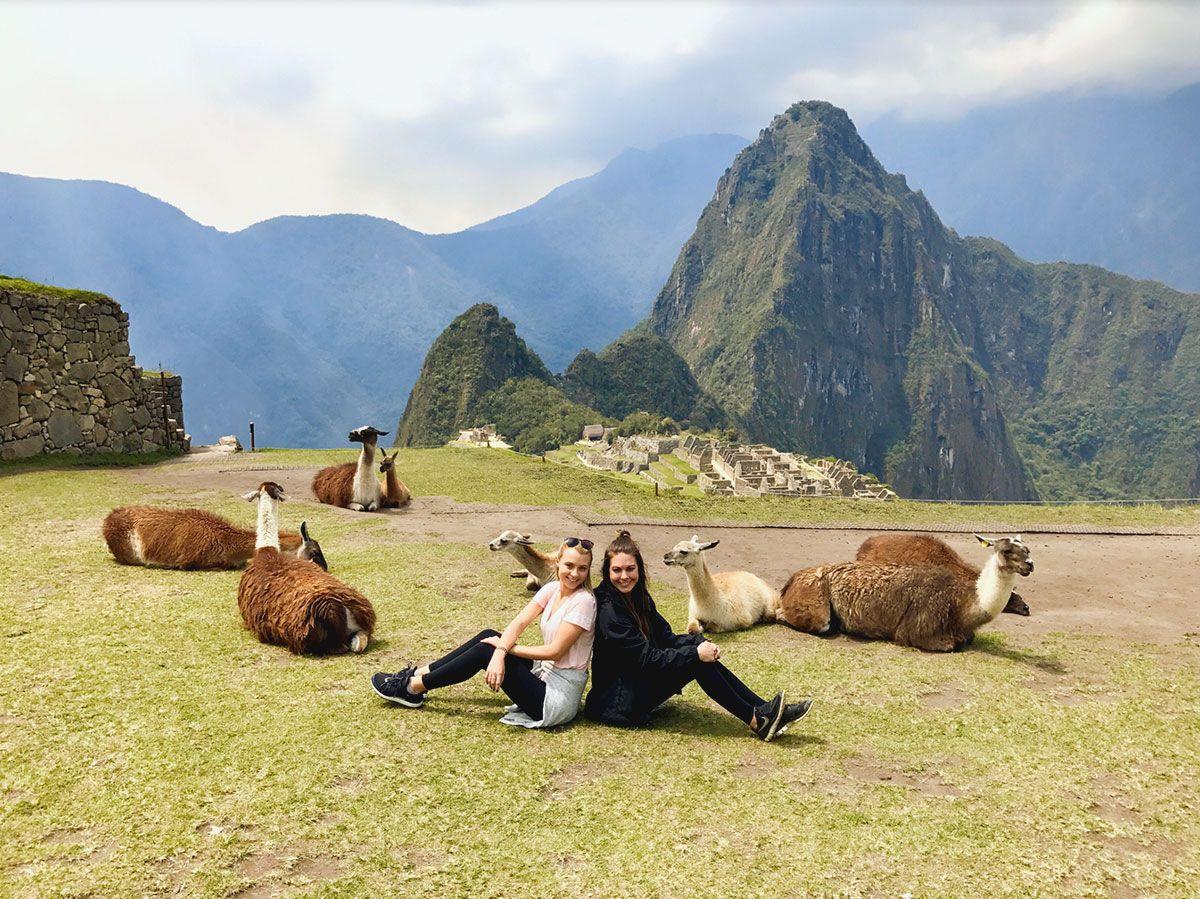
(479, 371)
(811, 276)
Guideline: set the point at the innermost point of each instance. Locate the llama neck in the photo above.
(700, 582)
(268, 523)
(992, 589)
(366, 461)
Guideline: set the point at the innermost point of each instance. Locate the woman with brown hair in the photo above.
(638, 662)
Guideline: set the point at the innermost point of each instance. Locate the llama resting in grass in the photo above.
(727, 601)
(353, 485)
(922, 551)
(931, 608)
(539, 568)
(292, 602)
(395, 493)
(182, 538)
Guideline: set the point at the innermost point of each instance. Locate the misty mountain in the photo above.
(1113, 181)
(312, 324)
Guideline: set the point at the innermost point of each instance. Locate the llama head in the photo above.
(510, 538)
(269, 489)
(367, 434)
(310, 549)
(1011, 553)
(688, 552)
(387, 463)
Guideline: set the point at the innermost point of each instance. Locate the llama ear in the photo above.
(251, 496)
(526, 540)
(304, 531)
(710, 545)
(984, 540)
(695, 538)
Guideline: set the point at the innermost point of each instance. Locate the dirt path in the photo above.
(1137, 587)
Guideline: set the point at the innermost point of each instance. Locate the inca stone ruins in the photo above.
(732, 469)
(69, 384)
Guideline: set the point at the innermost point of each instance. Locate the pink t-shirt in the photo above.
(580, 609)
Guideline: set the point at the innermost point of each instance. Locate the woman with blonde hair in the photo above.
(545, 682)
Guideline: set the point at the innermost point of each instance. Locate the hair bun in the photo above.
(624, 534)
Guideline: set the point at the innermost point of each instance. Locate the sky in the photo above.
(439, 116)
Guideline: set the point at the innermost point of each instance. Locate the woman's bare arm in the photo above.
(563, 640)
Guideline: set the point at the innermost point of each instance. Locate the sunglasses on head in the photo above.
(578, 541)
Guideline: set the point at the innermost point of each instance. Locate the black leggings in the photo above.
(721, 684)
(523, 687)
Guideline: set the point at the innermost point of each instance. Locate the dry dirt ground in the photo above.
(1138, 588)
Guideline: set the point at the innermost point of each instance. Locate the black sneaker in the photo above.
(793, 711)
(768, 715)
(394, 687)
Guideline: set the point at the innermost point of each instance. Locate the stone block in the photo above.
(25, 341)
(63, 428)
(71, 396)
(82, 371)
(107, 323)
(115, 390)
(15, 366)
(36, 408)
(22, 449)
(8, 318)
(78, 351)
(120, 420)
(100, 435)
(26, 427)
(141, 416)
(10, 403)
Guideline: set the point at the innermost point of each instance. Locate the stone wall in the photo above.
(68, 382)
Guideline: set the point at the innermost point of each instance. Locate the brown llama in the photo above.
(395, 492)
(292, 602)
(182, 538)
(932, 609)
(353, 485)
(923, 551)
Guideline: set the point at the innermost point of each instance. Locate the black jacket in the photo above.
(624, 662)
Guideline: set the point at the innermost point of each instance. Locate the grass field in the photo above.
(148, 744)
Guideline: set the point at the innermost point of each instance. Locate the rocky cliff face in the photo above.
(478, 352)
(824, 305)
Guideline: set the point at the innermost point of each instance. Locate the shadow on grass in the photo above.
(994, 646)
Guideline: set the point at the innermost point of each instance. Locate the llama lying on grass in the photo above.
(182, 538)
(933, 609)
(539, 568)
(292, 602)
(353, 485)
(923, 551)
(728, 601)
(395, 493)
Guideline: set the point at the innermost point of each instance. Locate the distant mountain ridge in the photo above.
(296, 320)
(1108, 180)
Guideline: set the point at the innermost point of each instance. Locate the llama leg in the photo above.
(520, 572)
(358, 637)
(372, 507)
(532, 583)
(694, 626)
(355, 507)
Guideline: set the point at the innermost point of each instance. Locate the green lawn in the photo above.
(149, 745)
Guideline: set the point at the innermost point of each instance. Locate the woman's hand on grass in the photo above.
(495, 670)
(708, 651)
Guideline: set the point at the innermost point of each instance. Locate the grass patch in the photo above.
(49, 291)
(148, 744)
(505, 477)
(95, 460)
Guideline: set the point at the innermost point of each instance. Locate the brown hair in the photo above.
(638, 600)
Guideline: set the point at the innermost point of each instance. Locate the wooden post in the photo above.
(162, 382)
(656, 488)
(251, 436)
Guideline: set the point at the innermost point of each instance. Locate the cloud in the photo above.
(439, 116)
